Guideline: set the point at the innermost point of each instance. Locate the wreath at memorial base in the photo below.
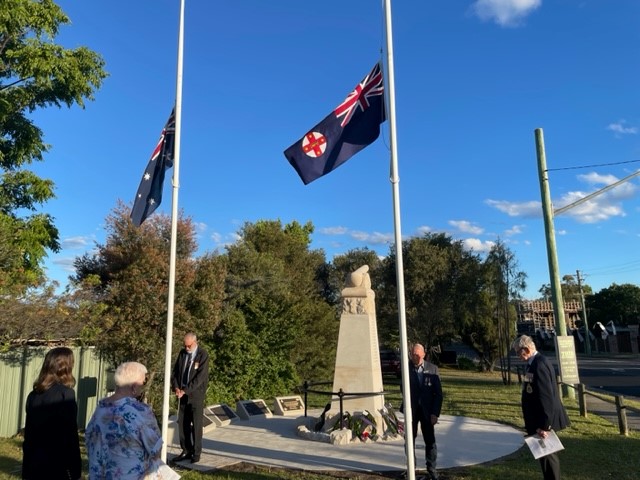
(362, 425)
(394, 426)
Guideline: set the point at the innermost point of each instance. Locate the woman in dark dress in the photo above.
(51, 449)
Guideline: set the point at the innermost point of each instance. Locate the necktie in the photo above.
(187, 367)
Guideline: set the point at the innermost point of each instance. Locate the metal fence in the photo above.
(20, 367)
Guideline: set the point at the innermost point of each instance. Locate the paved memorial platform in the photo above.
(462, 441)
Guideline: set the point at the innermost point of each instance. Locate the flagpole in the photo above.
(395, 180)
(174, 234)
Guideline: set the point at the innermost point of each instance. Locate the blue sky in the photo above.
(474, 79)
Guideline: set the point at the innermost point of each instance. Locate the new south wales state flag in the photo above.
(353, 125)
(149, 194)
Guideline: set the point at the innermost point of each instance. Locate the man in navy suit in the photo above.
(541, 405)
(426, 402)
(189, 382)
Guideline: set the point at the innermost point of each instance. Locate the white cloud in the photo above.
(76, 243)
(222, 241)
(506, 13)
(478, 245)
(66, 263)
(515, 230)
(333, 230)
(621, 192)
(596, 210)
(620, 129)
(375, 238)
(424, 229)
(200, 227)
(530, 209)
(601, 207)
(466, 227)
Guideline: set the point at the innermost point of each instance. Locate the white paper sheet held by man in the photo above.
(544, 446)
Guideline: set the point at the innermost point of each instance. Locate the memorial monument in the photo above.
(358, 357)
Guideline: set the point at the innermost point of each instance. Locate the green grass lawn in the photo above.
(593, 447)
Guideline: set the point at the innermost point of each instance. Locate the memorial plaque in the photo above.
(291, 406)
(253, 408)
(221, 414)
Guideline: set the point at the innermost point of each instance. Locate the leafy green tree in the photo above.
(620, 303)
(437, 299)
(128, 278)
(34, 73)
(569, 287)
(274, 298)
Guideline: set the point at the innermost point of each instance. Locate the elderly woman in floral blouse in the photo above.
(123, 439)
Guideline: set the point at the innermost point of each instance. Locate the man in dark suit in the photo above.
(189, 382)
(426, 402)
(541, 406)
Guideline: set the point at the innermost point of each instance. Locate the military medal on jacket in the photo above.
(528, 379)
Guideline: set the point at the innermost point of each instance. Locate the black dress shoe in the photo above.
(195, 458)
(183, 456)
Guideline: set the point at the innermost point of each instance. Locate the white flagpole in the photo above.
(394, 179)
(174, 235)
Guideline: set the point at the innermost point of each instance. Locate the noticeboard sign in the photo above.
(568, 364)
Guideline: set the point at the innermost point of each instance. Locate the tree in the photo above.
(39, 316)
(34, 73)
(277, 329)
(506, 282)
(437, 273)
(569, 287)
(128, 278)
(617, 303)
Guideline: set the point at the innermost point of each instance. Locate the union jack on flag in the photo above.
(361, 96)
(349, 128)
(149, 194)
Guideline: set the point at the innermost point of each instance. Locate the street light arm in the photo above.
(594, 194)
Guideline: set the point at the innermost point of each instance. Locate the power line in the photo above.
(591, 166)
(626, 267)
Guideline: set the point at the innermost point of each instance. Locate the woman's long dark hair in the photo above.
(57, 368)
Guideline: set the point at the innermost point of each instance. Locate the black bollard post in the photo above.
(340, 396)
(306, 387)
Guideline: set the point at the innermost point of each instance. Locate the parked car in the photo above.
(390, 363)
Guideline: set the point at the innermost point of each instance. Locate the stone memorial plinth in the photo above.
(358, 357)
(247, 409)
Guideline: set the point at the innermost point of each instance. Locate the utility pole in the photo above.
(587, 345)
(552, 256)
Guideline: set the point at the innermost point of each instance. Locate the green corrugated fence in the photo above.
(20, 367)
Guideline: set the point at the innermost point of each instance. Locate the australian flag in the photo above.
(149, 193)
(353, 125)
